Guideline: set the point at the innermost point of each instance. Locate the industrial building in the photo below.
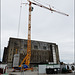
(41, 52)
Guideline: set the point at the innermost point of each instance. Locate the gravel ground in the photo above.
(35, 73)
(9, 71)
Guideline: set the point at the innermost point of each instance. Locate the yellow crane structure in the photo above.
(27, 57)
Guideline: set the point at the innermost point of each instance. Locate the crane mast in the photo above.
(29, 37)
(27, 57)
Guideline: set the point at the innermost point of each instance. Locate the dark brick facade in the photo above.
(41, 52)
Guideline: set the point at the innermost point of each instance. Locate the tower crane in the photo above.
(27, 57)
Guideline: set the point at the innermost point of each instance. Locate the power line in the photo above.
(19, 19)
(38, 1)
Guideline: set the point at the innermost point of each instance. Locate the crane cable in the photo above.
(36, 1)
(19, 19)
(41, 2)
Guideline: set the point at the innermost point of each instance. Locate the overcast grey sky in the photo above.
(45, 26)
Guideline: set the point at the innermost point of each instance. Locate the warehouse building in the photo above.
(41, 52)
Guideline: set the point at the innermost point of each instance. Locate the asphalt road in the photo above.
(32, 73)
(36, 73)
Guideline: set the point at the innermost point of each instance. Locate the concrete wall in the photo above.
(41, 52)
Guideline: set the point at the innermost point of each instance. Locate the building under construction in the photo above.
(41, 52)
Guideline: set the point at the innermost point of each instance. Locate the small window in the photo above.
(51, 48)
(10, 54)
(25, 45)
(35, 47)
(44, 47)
(15, 43)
